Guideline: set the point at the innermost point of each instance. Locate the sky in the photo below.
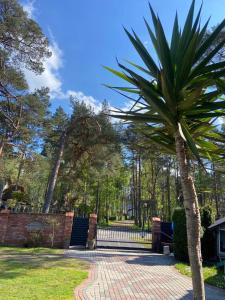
(84, 35)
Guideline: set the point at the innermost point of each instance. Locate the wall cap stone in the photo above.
(69, 214)
(156, 219)
(93, 216)
(5, 211)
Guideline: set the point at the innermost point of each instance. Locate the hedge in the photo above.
(180, 234)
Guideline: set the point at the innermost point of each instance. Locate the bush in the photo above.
(207, 216)
(208, 240)
(35, 239)
(180, 234)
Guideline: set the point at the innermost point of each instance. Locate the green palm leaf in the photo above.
(185, 89)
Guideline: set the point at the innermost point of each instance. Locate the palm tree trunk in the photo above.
(54, 174)
(192, 219)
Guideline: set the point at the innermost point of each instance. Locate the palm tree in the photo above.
(178, 100)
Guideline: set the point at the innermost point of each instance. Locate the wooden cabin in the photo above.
(219, 228)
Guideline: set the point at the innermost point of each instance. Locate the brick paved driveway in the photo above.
(120, 275)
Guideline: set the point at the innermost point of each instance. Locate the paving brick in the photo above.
(125, 275)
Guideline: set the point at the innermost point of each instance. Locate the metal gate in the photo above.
(123, 234)
(79, 233)
(166, 235)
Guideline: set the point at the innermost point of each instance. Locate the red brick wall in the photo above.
(92, 231)
(15, 229)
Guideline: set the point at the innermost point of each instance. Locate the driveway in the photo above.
(120, 275)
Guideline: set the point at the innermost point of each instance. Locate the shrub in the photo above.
(207, 216)
(208, 240)
(54, 224)
(180, 234)
(35, 239)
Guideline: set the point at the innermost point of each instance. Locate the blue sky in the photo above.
(86, 34)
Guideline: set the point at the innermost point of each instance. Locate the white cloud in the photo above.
(127, 105)
(81, 97)
(50, 77)
(28, 6)
(130, 104)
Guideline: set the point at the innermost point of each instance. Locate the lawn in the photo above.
(211, 274)
(39, 273)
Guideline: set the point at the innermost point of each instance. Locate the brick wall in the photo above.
(21, 229)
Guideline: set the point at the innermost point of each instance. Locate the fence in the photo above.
(33, 229)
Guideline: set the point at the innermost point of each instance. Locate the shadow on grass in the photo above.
(217, 280)
(14, 264)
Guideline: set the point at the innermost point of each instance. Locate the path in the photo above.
(124, 275)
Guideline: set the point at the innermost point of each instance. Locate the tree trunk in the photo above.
(177, 185)
(168, 190)
(192, 219)
(139, 190)
(54, 174)
(21, 164)
(1, 147)
(135, 189)
(132, 191)
(215, 191)
(163, 213)
(97, 200)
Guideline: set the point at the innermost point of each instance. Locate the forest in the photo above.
(164, 152)
(85, 161)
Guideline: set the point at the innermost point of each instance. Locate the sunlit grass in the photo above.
(39, 273)
(211, 274)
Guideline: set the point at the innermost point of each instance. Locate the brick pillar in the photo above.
(156, 230)
(67, 229)
(4, 217)
(92, 231)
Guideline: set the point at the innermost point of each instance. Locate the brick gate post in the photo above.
(156, 231)
(68, 229)
(92, 231)
(4, 217)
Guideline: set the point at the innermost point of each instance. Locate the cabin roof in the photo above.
(217, 223)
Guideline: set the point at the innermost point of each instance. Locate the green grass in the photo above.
(211, 274)
(136, 227)
(39, 273)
